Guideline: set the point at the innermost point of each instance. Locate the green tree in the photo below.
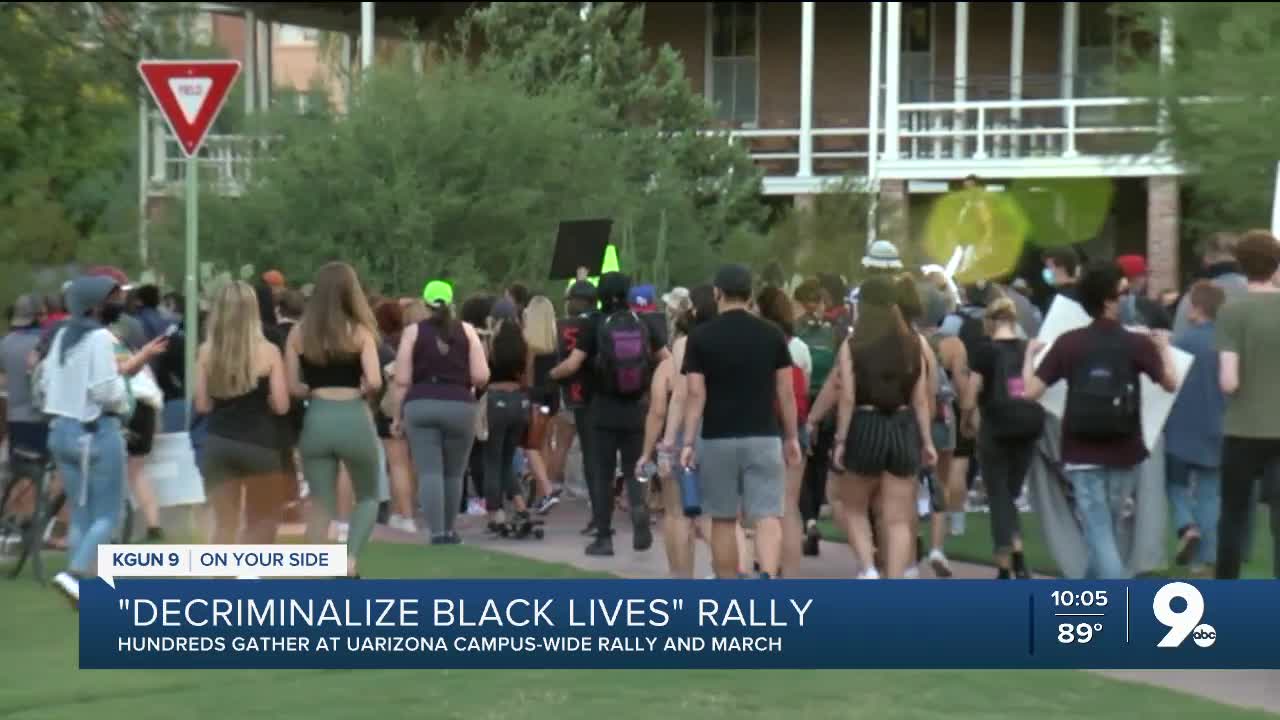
(458, 174)
(645, 94)
(1227, 51)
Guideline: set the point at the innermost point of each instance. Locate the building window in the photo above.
(1098, 50)
(734, 61)
(917, 52)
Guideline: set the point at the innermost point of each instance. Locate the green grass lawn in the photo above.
(975, 545)
(39, 679)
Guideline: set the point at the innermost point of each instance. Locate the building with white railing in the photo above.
(910, 96)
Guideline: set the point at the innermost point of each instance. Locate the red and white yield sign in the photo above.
(190, 93)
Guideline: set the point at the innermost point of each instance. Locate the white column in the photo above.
(419, 56)
(366, 35)
(873, 101)
(250, 62)
(961, 77)
(1070, 39)
(805, 168)
(1166, 65)
(892, 63)
(1017, 41)
(266, 58)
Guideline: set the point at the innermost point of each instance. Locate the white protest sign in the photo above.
(211, 561)
(1066, 315)
(171, 469)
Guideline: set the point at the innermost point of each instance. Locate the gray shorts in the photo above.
(742, 474)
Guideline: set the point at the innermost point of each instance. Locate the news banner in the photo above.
(241, 606)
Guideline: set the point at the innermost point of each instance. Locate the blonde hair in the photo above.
(235, 332)
(415, 311)
(335, 313)
(1001, 310)
(540, 326)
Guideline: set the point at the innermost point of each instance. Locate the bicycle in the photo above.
(33, 530)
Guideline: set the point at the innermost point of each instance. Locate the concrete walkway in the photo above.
(563, 544)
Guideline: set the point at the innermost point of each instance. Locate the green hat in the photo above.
(438, 292)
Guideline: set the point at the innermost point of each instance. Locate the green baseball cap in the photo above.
(438, 292)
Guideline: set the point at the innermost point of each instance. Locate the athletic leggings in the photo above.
(440, 434)
(508, 418)
(340, 432)
(813, 489)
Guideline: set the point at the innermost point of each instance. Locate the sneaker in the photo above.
(545, 503)
(454, 538)
(1004, 574)
(590, 529)
(444, 539)
(642, 540)
(340, 531)
(1019, 562)
(403, 524)
(475, 506)
(812, 540)
(869, 574)
(69, 586)
(600, 547)
(912, 573)
(957, 524)
(495, 528)
(154, 535)
(938, 561)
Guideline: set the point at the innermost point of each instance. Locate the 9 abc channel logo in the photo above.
(1184, 623)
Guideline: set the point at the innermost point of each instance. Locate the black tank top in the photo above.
(248, 418)
(342, 372)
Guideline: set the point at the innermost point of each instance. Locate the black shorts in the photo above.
(882, 442)
(141, 432)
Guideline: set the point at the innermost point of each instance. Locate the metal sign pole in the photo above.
(191, 331)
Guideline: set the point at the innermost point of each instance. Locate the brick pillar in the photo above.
(892, 216)
(1163, 211)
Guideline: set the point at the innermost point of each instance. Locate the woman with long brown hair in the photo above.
(884, 433)
(333, 363)
(240, 386)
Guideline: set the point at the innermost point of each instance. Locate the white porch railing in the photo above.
(1004, 137)
(1031, 129)
(225, 162)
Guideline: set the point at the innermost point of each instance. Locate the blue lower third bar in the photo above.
(204, 624)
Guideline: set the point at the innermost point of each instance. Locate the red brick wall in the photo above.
(842, 48)
(683, 26)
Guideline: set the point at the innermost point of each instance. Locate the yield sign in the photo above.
(190, 93)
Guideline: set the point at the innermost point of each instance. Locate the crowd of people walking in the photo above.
(743, 411)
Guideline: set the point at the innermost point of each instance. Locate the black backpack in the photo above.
(624, 364)
(1009, 416)
(1103, 400)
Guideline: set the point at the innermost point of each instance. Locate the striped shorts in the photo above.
(883, 442)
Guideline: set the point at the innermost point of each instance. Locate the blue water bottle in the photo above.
(690, 491)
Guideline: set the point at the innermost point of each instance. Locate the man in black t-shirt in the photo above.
(741, 395)
(616, 419)
(580, 321)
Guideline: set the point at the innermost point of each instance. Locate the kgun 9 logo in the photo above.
(1185, 622)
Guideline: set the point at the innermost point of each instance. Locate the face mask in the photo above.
(1050, 278)
(111, 312)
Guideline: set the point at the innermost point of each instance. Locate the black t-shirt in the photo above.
(983, 362)
(610, 411)
(656, 323)
(574, 333)
(739, 355)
